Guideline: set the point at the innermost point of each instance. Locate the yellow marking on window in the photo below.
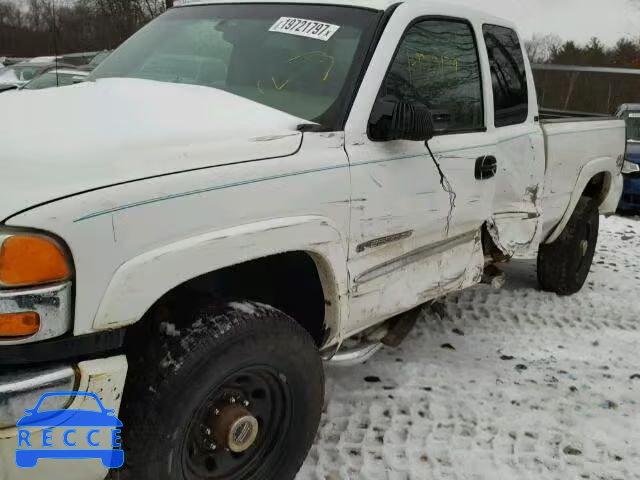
(417, 62)
(317, 53)
(282, 85)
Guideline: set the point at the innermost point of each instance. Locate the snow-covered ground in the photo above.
(514, 384)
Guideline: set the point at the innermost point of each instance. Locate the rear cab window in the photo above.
(508, 75)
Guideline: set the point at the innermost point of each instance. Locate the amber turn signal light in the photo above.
(19, 324)
(27, 260)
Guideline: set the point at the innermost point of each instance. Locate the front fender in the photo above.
(610, 196)
(142, 280)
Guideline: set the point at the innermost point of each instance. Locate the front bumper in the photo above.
(104, 377)
(25, 387)
(631, 194)
(51, 303)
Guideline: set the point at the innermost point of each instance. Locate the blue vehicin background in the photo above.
(631, 194)
(37, 445)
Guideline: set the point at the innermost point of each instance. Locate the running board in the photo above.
(354, 356)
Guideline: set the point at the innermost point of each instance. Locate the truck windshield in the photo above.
(301, 59)
(633, 127)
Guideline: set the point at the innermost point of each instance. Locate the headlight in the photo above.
(630, 167)
(35, 288)
(29, 260)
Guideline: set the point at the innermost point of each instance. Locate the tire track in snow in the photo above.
(538, 386)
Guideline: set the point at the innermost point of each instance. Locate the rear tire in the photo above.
(232, 376)
(563, 266)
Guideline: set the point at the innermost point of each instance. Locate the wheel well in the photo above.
(289, 282)
(598, 187)
(596, 190)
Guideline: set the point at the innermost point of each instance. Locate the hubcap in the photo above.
(237, 431)
(583, 248)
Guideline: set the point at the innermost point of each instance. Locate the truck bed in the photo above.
(555, 115)
(572, 142)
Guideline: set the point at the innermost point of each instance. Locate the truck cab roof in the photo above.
(466, 12)
(370, 4)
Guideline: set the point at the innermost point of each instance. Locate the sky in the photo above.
(577, 20)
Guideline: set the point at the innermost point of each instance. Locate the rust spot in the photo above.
(533, 192)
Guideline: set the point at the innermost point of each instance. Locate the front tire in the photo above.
(563, 266)
(238, 395)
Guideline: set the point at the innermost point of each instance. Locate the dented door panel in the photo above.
(415, 278)
(414, 218)
(404, 218)
(516, 224)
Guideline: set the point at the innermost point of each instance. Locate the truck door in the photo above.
(517, 223)
(415, 221)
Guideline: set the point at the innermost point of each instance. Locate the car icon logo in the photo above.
(68, 426)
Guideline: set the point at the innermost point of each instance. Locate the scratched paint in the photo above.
(166, 198)
(145, 182)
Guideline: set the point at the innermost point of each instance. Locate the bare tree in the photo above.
(10, 15)
(541, 47)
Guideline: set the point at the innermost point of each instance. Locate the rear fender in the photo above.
(608, 199)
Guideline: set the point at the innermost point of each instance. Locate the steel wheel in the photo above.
(563, 266)
(239, 427)
(241, 401)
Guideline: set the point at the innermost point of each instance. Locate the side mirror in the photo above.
(393, 120)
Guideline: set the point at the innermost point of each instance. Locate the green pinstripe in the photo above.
(249, 182)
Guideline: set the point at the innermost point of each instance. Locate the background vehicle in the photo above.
(78, 59)
(18, 75)
(12, 77)
(95, 61)
(630, 113)
(44, 59)
(258, 183)
(60, 77)
(8, 61)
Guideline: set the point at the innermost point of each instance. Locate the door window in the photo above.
(508, 75)
(437, 65)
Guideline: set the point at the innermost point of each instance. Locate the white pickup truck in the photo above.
(244, 190)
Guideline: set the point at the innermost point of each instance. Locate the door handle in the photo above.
(486, 167)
